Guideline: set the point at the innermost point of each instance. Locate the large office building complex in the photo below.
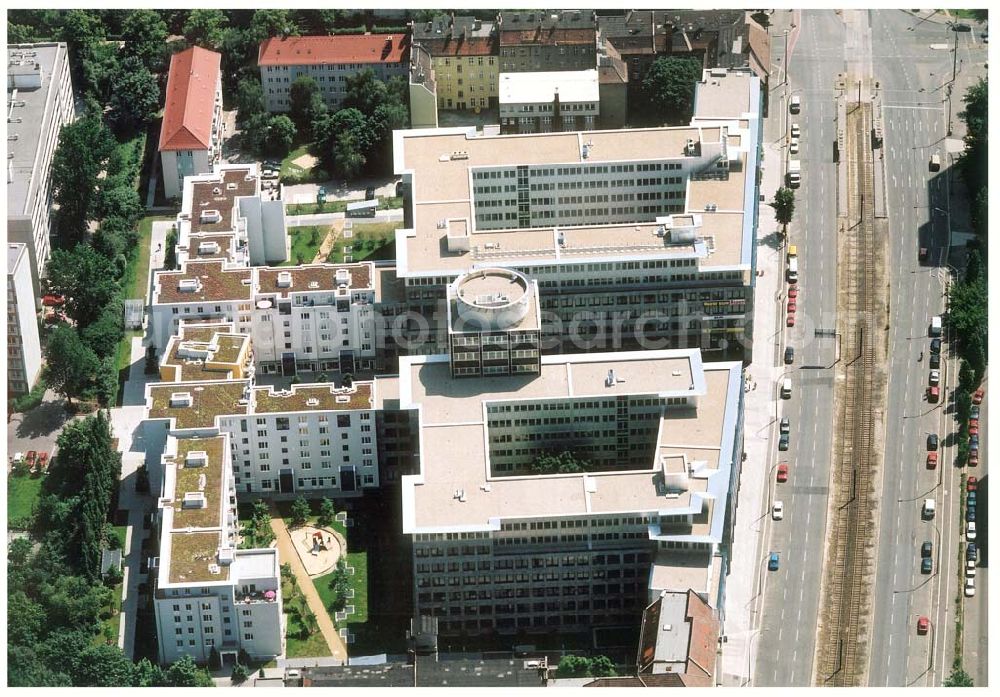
(39, 103)
(635, 235)
(191, 133)
(24, 352)
(329, 61)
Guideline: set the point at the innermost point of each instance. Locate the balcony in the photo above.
(256, 597)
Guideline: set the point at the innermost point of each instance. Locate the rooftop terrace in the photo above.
(212, 200)
(314, 278)
(191, 553)
(207, 281)
(325, 397)
(207, 479)
(207, 401)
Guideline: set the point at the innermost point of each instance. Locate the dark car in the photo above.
(970, 551)
(927, 548)
(974, 413)
(959, 26)
(935, 360)
(926, 565)
(970, 514)
(370, 193)
(789, 355)
(970, 498)
(783, 442)
(922, 254)
(974, 442)
(935, 345)
(932, 441)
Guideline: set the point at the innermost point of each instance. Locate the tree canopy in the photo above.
(668, 89)
(205, 28)
(84, 146)
(86, 278)
(145, 35)
(783, 204)
(70, 366)
(135, 97)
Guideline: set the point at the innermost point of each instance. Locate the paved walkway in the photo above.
(286, 553)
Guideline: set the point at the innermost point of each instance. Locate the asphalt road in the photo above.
(791, 599)
(911, 74)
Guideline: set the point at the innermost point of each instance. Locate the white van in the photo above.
(786, 388)
(793, 270)
(928, 511)
(935, 329)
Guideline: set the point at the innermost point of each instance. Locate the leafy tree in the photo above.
(348, 155)
(974, 162)
(239, 674)
(136, 97)
(70, 366)
(103, 335)
(762, 18)
(145, 35)
(214, 660)
(170, 249)
(86, 278)
(958, 678)
(255, 132)
(106, 382)
(327, 513)
(573, 667)
(83, 148)
(784, 206)
(300, 96)
(26, 669)
(102, 665)
(20, 34)
(300, 511)
(100, 65)
(317, 21)
(310, 624)
(62, 647)
(81, 30)
(147, 674)
(122, 202)
(668, 88)
(205, 28)
(75, 602)
(26, 619)
(340, 584)
(239, 58)
(269, 23)
(249, 98)
(602, 666)
(280, 135)
(967, 310)
(565, 462)
(365, 92)
(184, 672)
(260, 509)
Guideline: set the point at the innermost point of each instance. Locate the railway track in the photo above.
(842, 646)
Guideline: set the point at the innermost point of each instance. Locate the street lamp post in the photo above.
(786, 56)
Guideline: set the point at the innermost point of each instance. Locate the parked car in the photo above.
(932, 441)
(936, 345)
(43, 460)
(974, 413)
(922, 254)
(18, 457)
(970, 484)
(793, 291)
(783, 442)
(370, 193)
(796, 131)
(934, 378)
(773, 561)
(973, 442)
(970, 531)
(970, 514)
(977, 398)
(795, 104)
(973, 458)
(935, 360)
(932, 460)
(31, 457)
(970, 567)
(923, 625)
(970, 586)
(961, 27)
(971, 552)
(933, 394)
(974, 428)
(926, 565)
(789, 355)
(785, 425)
(778, 510)
(970, 497)
(791, 305)
(790, 321)
(783, 472)
(793, 146)
(927, 548)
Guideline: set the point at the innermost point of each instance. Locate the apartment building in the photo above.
(192, 129)
(208, 594)
(464, 60)
(501, 548)
(642, 237)
(330, 61)
(24, 352)
(39, 103)
(539, 40)
(552, 101)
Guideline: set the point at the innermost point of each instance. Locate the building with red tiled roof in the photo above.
(329, 60)
(191, 134)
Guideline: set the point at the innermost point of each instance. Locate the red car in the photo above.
(974, 458)
(783, 472)
(933, 394)
(43, 460)
(793, 292)
(974, 429)
(31, 457)
(923, 624)
(970, 484)
(790, 321)
(791, 305)
(977, 398)
(931, 460)
(973, 422)
(53, 300)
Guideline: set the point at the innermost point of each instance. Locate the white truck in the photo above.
(794, 173)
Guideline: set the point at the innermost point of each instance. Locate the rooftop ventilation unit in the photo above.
(194, 499)
(189, 285)
(226, 555)
(681, 236)
(343, 278)
(342, 399)
(208, 247)
(312, 402)
(442, 224)
(586, 151)
(314, 284)
(217, 191)
(689, 147)
(214, 569)
(196, 458)
(285, 279)
(611, 380)
(711, 207)
(460, 155)
(231, 186)
(562, 239)
(211, 216)
(181, 399)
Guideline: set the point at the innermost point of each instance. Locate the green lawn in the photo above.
(967, 14)
(306, 242)
(22, 495)
(295, 646)
(359, 582)
(367, 241)
(108, 632)
(120, 532)
(384, 203)
(287, 166)
(137, 272)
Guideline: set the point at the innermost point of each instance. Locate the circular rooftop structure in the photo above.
(491, 299)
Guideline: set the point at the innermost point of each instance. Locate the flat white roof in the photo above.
(694, 444)
(532, 88)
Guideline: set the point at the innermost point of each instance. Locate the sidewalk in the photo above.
(740, 629)
(286, 553)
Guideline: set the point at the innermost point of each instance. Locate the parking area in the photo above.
(340, 190)
(39, 428)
